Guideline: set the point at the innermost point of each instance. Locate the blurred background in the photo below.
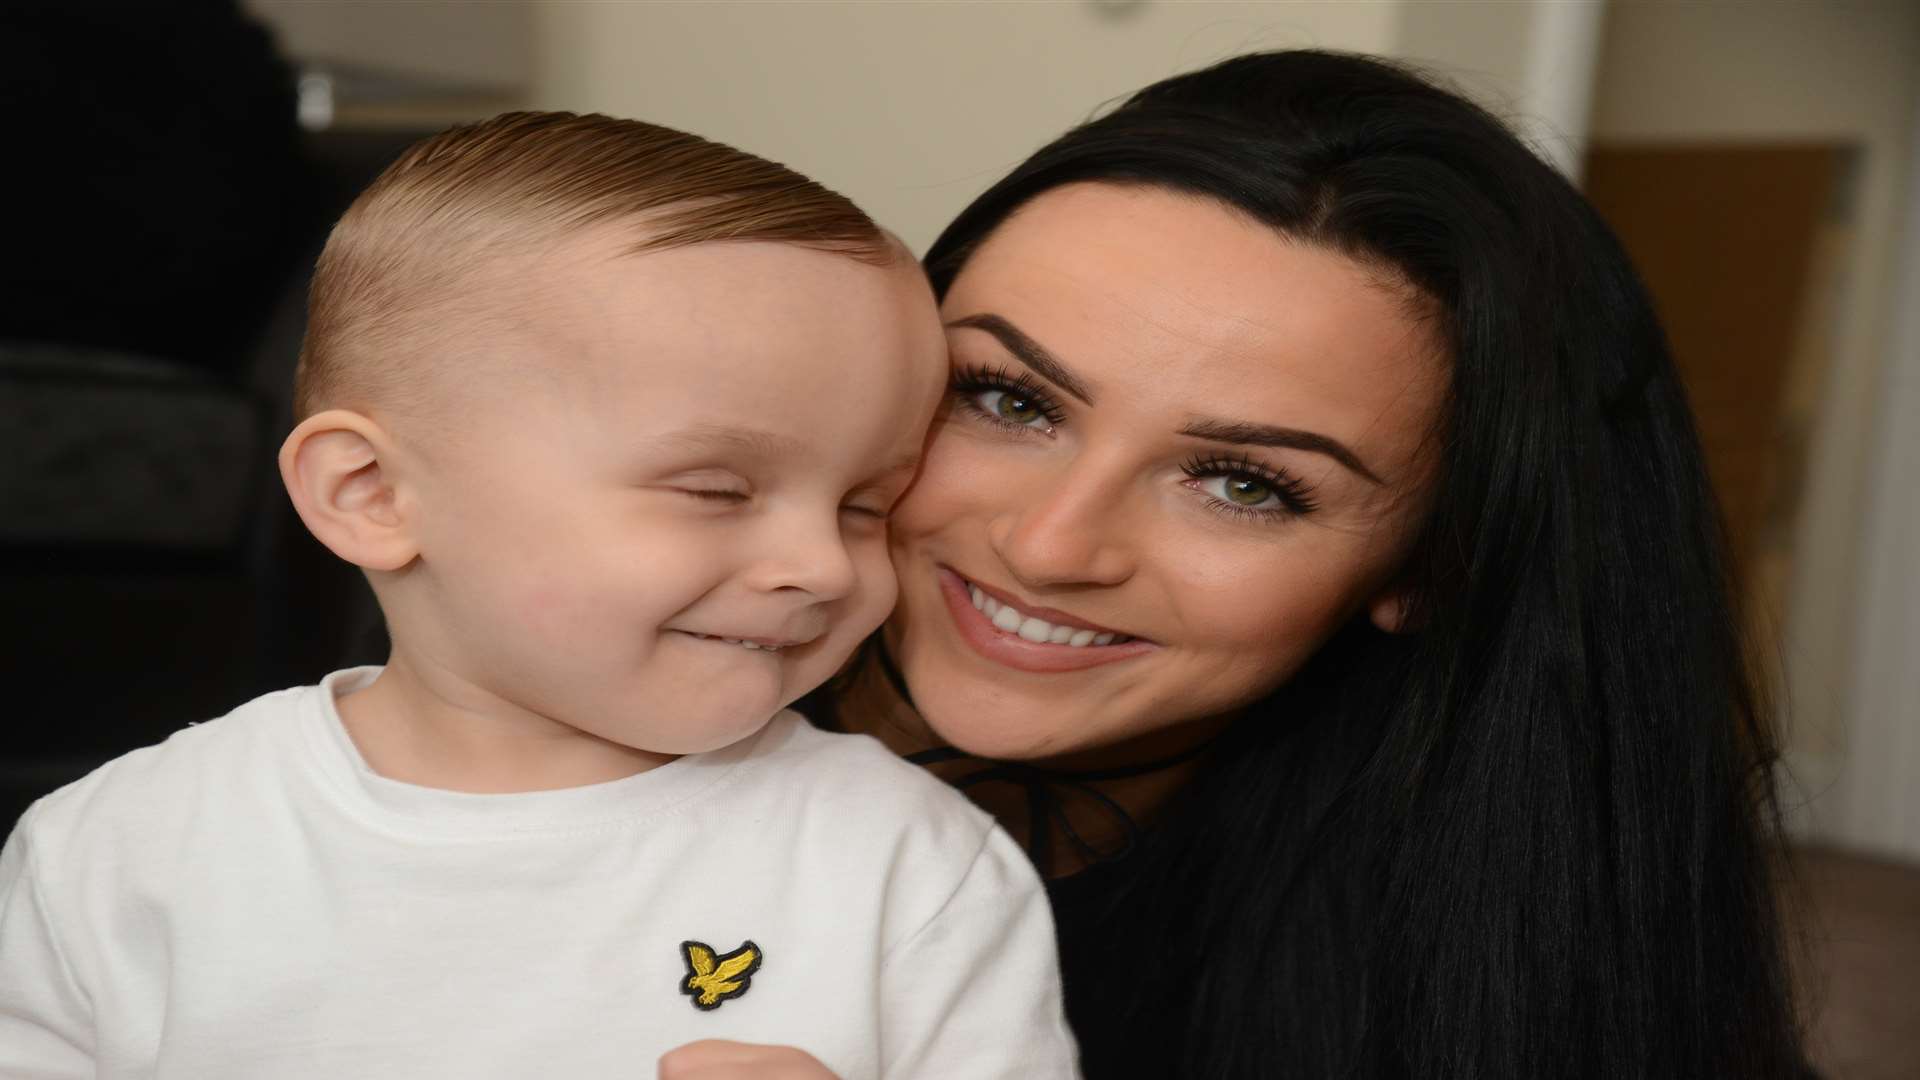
(182, 160)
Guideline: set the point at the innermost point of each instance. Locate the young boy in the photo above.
(612, 417)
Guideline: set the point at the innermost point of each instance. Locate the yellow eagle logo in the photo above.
(713, 979)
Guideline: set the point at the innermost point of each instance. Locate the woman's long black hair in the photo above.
(1535, 837)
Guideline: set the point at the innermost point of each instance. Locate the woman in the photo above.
(1423, 743)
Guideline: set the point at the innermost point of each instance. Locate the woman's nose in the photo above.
(1066, 531)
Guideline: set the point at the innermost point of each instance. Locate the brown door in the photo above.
(1735, 243)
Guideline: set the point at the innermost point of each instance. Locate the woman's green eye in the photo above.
(1005, 400)
(1009, 407)
(1019, 410)
(1236, 491)
(1244, 490)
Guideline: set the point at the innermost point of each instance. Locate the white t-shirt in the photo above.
(249, 900)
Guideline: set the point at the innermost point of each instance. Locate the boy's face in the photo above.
(662, 453)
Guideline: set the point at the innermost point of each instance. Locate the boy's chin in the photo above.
(706, 734)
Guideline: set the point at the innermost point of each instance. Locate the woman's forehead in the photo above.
(1166, 301)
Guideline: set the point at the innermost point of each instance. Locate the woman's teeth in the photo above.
(1013, 621)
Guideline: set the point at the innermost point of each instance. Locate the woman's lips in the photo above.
(1047, 614)
(1008, 648)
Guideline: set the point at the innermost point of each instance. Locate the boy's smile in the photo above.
(649, 501)
(762, 644)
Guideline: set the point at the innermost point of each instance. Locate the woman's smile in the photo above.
(1028, 637)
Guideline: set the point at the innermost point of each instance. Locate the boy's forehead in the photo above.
(736, 325)
(752, 293)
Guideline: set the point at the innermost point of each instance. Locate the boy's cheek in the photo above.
(862, 613)
(880, 586)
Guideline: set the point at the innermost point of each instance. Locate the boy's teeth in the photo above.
(1036, 629)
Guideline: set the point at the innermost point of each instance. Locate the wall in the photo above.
(1530, 62)
(909, 108)
(1764, 72)
(1877, 803)
(462, 45)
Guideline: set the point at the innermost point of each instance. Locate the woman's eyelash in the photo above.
(968, 382)
(1294, 495)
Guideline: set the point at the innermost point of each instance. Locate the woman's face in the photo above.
(1169, 424)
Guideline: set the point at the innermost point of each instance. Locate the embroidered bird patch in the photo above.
(713, 979)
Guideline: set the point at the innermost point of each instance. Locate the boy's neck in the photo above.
(433, 729)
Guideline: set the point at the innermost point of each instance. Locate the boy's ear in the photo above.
(338, 468)
(1392, 610)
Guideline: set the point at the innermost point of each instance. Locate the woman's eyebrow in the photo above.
(1246, 434)
(1030, 353)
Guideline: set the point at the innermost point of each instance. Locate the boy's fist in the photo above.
(718, 1059)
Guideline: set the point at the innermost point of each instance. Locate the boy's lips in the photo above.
(999, 643)
(772, 630)
(766, 644)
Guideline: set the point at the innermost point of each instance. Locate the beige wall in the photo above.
(1879, 800)
(459, 44)
(1530, 62)
(1832, 71)
(910, 108)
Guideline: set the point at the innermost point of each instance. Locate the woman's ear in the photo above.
(1392, 610)
(338, 468)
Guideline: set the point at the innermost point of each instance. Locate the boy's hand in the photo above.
(718, 1059)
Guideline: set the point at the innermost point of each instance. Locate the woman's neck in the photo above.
(869, 704)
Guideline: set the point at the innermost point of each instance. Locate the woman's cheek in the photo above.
(1270, 612)
(942, 492)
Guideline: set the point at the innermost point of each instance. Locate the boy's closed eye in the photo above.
(877, 497)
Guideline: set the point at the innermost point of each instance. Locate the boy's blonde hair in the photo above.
(514, 185)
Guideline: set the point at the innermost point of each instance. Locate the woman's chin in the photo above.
(984, 731)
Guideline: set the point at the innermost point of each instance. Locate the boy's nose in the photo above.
(809, 557)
